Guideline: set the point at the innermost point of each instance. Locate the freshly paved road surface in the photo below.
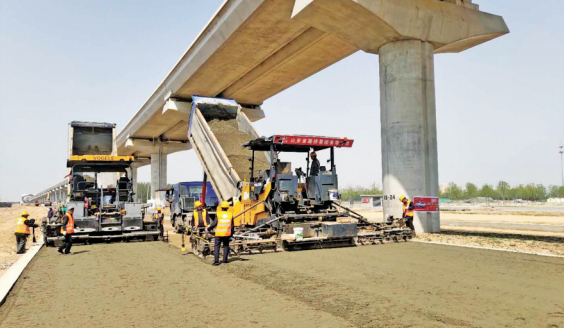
(150, 284)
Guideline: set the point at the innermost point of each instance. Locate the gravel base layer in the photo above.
(151, 284)
(231, 140)
(520, 242)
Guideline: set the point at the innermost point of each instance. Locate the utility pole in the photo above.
(562, 163)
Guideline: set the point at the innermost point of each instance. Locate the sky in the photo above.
(500, 114)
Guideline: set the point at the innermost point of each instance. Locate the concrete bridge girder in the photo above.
(252, 50)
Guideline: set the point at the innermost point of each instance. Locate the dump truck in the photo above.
(274, 206)
(100, 188)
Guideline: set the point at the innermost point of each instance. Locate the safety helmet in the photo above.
(401, 198)
(70, 209)
(159, 208)
(25, 213)
(225, 204)
(198, 203)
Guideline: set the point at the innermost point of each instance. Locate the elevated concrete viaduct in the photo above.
(253, 49)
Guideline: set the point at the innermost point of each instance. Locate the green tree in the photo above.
(143, 189)
(503, 189)
(352, 193)
(553, 191)
(487, 191)
(540, 193)
(454, 192)
(471, 190)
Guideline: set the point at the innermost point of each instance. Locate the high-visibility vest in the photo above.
(70, 224)
(223, 228)
(197, 218)
(159, 217)
(407, 212)
(21, 227)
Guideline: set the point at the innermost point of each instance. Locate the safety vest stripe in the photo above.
(21, 227)
(223, 228)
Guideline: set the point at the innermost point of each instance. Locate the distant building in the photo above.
(555, 200)
(370, 201)
(443, 187)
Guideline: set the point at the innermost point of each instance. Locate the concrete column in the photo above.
(158, 171)
(409, 132)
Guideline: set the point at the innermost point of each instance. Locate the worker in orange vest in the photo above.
(67, 229)
(223, 225)
(22, 231)
(201, 219)
(408, 211)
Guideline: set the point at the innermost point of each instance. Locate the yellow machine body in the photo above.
(245, 202)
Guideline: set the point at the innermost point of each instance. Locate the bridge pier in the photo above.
(409, 128)
(158, 171)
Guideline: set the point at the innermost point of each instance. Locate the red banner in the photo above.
(366, 200)
(313, 141)
(426, 204)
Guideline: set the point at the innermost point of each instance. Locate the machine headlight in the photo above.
(333, 194)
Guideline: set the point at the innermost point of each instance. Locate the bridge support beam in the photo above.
(409, 128)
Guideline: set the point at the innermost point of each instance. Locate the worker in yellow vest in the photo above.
(223, 225)
(408, 211)
(67, 230)
(159, 217)
(201, 219)
(22, 232)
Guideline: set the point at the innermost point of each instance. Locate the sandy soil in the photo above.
(231, 140)
(8, 217)
(150, 284)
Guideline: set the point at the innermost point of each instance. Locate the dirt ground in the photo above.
(518, 241)
(555, 218)
(150, 284)
(8, 217)
(508, 217)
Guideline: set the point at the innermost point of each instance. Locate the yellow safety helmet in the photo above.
(198, 203)
(224, 204)
(25, 213)
(401, 198)
(159, 208)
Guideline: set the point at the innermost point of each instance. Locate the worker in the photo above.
(408, 211)
(159, 217)
(86, 206)
(50, 213)
(22, 231)
(223, 225)
(201, 219)
(67, 229)
(44, 223)
(314, 170)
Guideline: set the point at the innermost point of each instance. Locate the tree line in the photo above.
(503, 191)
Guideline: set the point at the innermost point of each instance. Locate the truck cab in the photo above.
(182, 197)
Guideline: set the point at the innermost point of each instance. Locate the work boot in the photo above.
(215, 263)
(226, 261)
(60, 251)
